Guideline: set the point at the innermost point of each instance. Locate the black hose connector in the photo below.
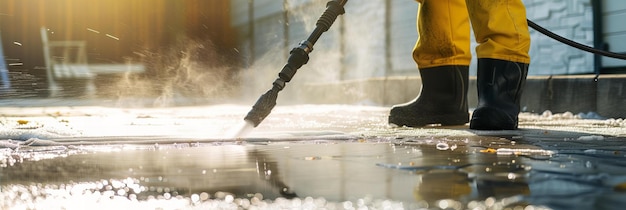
(297, 58)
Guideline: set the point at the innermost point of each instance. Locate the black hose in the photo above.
(575, 44)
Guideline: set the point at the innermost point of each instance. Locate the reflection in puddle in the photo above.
(176, 176)
(352, 174)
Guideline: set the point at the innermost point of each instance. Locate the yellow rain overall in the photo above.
(500, 29)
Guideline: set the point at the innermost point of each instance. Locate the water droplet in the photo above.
(245, 203)
(195, 198)
(489, 202)
(259, 196)
(443, 204)
(453, 147)
(204, 196)
(112, 37)
(511, 176)
(229, 198)
(442, 146)
(296, 202)
(220, 195)
(347, 205)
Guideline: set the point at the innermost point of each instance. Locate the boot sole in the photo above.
(487, 118)
(444, 120)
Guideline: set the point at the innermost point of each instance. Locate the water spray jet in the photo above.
(298, 56)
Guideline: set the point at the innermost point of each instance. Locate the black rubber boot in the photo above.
(500, 84)
(442, 100)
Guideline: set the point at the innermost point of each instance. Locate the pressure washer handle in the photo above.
(333, 10)
(298, 56)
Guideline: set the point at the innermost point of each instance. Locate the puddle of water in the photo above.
(432, 173)
(319, 173)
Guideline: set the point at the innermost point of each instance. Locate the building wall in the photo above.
(614, 30)
(571, 19)
(365, 50)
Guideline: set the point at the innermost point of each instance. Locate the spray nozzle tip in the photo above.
(262, 107)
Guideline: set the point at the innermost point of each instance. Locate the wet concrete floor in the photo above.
(302, 157)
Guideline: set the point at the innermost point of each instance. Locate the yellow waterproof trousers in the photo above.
(500, 29)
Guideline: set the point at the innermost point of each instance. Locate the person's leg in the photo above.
(444, 34)
(501, 31)
(442, 54)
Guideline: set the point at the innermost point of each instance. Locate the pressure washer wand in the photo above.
(297, 57)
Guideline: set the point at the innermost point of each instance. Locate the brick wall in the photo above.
(569, 18)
